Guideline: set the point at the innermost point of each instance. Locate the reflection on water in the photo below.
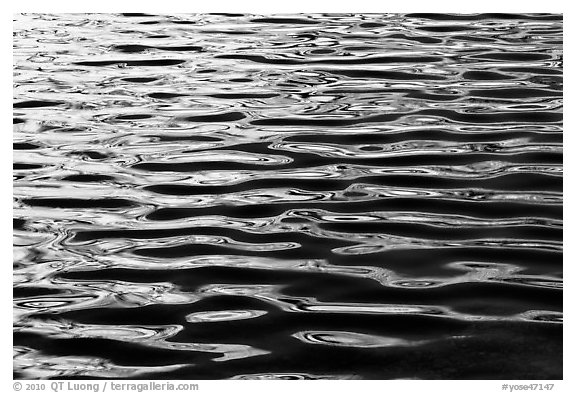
(326, 196)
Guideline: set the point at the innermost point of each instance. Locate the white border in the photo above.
(290, 6)
(293, 6)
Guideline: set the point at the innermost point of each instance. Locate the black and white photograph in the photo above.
(287, 196)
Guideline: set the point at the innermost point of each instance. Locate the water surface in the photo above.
(324, 196)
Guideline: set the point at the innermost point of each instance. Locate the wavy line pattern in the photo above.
(323, 196)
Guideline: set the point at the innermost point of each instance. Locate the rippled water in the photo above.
(288, 196)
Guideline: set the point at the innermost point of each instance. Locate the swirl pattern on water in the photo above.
(319, 196)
